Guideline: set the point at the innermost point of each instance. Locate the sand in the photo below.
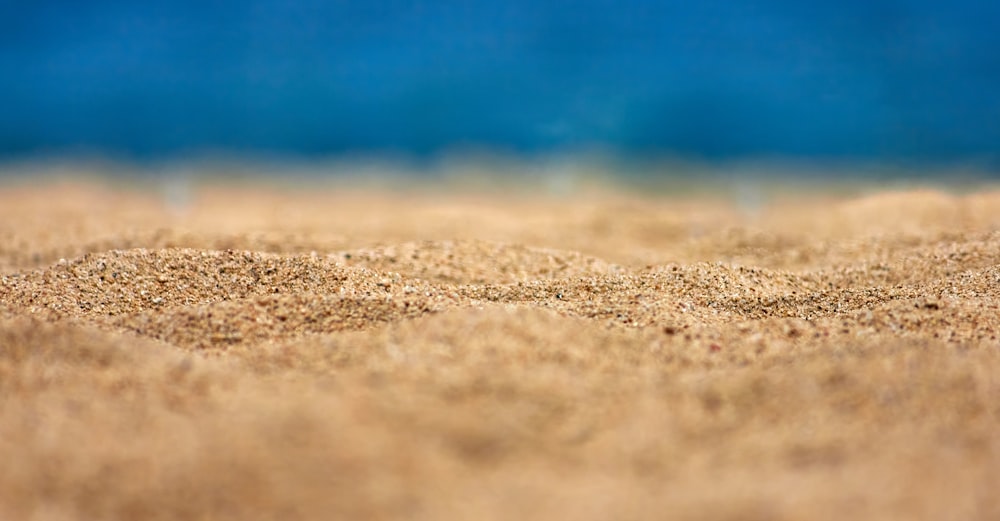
(253, 351)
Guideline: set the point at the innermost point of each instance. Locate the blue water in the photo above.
(864, 80)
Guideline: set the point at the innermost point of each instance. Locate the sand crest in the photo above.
(264, 353)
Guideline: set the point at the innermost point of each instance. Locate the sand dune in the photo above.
(262, 353)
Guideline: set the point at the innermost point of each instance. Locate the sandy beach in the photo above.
(248, 351)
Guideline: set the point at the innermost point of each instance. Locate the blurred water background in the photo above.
(388, 87)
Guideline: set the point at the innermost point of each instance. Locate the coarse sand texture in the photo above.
(329, 352)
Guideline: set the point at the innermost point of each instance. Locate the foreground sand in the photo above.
(330, 353)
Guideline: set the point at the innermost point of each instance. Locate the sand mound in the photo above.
(913, 212)
(317, 355)
(23, 256)
(26, 339)
(122, 282)
(273, 317)
(491, 337)
(476, 262)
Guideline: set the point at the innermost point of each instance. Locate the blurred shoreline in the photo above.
(486, 171)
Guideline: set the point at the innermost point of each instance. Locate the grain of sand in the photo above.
(332, 353)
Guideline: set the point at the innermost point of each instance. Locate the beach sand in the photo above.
(253, 351)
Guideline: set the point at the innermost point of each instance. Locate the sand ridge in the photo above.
(310, 354)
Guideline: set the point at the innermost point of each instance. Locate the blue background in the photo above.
(884, 80)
